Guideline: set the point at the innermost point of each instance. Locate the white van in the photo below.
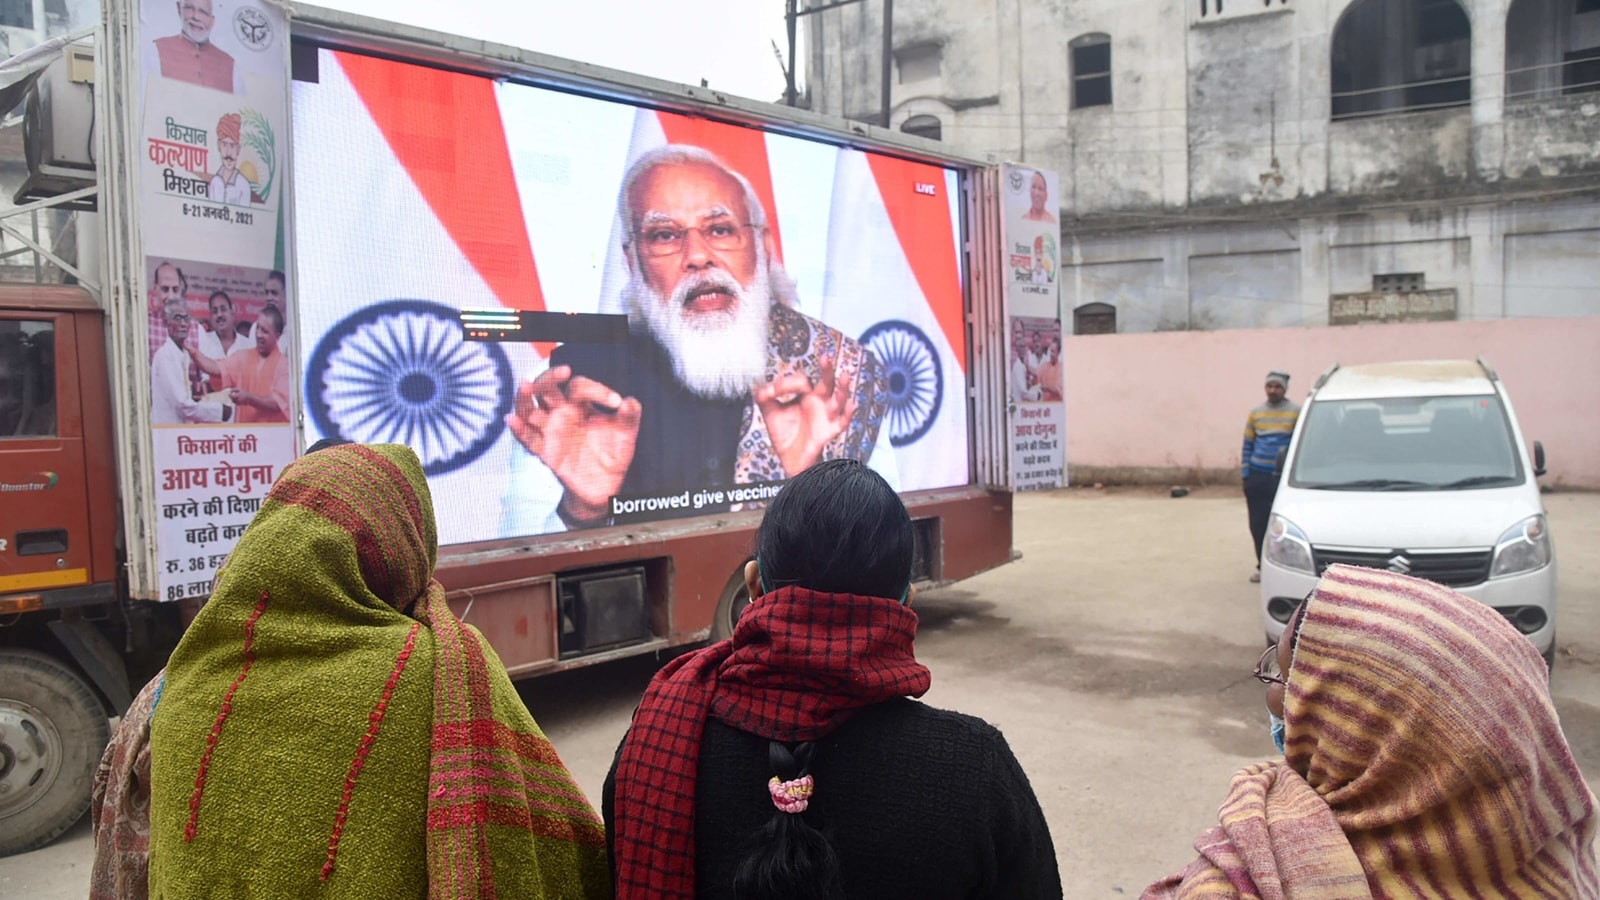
(1420, 468)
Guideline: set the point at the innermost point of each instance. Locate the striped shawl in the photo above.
(1425, 759)
(313, 739)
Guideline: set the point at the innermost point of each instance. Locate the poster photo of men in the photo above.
(1035, 364)
(217, 344)
(748, 350)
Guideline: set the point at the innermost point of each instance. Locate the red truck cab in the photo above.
(59, 563)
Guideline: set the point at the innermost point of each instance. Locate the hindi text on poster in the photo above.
(210, 482)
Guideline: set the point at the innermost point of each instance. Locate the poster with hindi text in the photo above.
(213, 167)
(1036, 411)
(211, 481)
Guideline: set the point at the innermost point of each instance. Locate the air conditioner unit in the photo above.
(58, 127)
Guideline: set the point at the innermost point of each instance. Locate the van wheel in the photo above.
(53, 729)
(735, 599)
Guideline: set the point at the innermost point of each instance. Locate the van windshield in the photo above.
(1406, 444)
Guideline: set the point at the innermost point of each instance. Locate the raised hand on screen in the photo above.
(584, 431)
(803, 417)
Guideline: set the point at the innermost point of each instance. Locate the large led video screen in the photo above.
(740, 304)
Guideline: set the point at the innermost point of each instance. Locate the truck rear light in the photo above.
(20, 603)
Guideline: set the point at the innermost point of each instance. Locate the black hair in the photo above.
(325, 443)
(277, 275)
(223, 295)
(837, 527)
(789, 860)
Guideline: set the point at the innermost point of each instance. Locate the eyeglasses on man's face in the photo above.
(1267, 671)
(670, 240)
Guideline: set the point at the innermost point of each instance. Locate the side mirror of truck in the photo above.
(1538, 459)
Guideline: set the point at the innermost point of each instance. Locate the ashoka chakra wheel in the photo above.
(915, 378)
(400, 372)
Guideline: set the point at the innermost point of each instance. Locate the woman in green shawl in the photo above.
(328, 728)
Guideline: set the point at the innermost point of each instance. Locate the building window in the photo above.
(924, 126)
(1401, 56)
(1552, 48)
(1091, 71)
(919, 63)
(1094, 318)
(1399, 283)
(1441, 22)
(1581, 74)
(16, 14)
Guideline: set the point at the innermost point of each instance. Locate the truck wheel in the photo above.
(735, 598)
(53, 729)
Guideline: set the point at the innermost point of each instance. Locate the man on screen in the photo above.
(721, 382)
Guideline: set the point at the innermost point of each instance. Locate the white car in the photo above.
(1420, 468)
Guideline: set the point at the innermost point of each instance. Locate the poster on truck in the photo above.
(1036, 413)
(744, 304)
(212, 188)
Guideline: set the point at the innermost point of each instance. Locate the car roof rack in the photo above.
(1488, 369)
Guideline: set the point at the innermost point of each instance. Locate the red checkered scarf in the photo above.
(799, 664)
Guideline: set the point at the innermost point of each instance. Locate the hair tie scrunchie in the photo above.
(791, 796)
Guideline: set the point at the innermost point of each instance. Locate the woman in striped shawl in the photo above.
(328, 728)
(1423, 759)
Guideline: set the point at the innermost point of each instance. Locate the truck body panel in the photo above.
(86, 502)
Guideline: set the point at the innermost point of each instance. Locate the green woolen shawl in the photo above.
(313, 739)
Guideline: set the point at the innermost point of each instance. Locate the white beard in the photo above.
(719, 355)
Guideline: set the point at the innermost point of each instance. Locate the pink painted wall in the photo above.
(1179, 399)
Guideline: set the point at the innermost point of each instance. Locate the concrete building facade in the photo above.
(1256, 163)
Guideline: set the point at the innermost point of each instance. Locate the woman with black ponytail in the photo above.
(791, 762)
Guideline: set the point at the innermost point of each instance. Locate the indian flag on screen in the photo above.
(894, 282)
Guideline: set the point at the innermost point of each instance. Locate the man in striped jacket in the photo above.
(1266, 432)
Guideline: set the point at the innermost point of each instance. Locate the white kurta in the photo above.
(235, 193)
(170, 401)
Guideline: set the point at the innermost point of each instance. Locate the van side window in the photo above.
(27, 379)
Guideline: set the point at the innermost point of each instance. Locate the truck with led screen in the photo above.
(612, 317)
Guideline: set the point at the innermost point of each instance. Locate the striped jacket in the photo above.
(1267, 431)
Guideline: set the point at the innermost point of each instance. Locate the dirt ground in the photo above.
(1116, 658)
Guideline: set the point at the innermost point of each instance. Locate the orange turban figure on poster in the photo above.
(229, 184)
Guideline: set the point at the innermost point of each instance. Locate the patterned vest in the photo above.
(204, 65)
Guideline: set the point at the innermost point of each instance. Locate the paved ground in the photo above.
(1115, 657)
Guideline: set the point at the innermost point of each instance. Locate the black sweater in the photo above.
(917, 802)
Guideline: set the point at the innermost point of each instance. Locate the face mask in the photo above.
(1277, 731)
